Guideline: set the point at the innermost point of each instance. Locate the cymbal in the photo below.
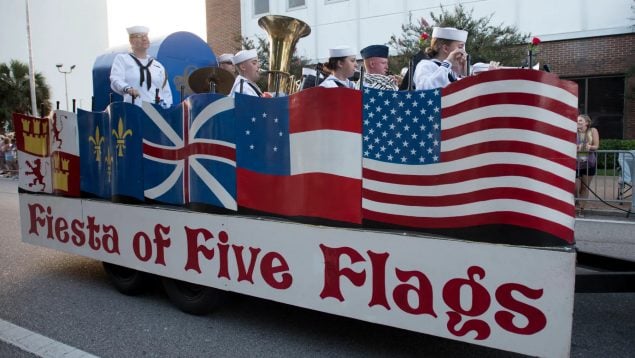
(199, 80)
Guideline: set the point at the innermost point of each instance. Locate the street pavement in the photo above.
(69, 299)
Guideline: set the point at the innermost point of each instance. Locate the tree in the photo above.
(485, 42)
(15, 91)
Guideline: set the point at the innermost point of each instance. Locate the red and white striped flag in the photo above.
(500, 167)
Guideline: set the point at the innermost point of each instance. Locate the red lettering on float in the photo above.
(161, 242)
(536, 318)
(245, 274)
(78, 237)
(333, 271)
(193, 248)
(223, 252)
(480, 303)
(378, 263)
(57, 228)
(61, 225)
(142, 246)
(268, 271)
(423, 290)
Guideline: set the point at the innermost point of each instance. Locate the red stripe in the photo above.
(315, 195)
(512, 74)
(472, 197)
(508, 146)
(502, 217)
(509, 123)
(192, 149)
(321, 108)
(527, 99)
(186, 164)
(486, 171)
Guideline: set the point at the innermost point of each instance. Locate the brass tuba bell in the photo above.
(284, 33)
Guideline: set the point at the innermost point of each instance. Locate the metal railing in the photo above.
(612, 181)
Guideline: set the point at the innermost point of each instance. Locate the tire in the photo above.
(192, 298)
(126, 280)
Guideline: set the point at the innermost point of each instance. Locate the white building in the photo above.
(359, 23)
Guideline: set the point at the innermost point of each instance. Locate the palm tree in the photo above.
(15, 91)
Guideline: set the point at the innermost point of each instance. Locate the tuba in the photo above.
(284, 33)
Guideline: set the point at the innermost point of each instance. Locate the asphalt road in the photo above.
(69, 299)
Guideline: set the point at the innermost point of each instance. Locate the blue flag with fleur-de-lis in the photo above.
(126, 143)
(93, 132)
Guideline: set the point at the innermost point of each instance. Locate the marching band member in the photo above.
(342, 65)
(137, 75)
(447, 58)
(376, 65)
(225, 62)
(246, 62)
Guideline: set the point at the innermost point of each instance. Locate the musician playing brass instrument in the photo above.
(447, 59)
(342, 65)
(376, 65)
(246, 62)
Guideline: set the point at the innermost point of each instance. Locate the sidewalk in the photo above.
(606, 188)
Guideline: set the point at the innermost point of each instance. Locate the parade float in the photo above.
(447, 212)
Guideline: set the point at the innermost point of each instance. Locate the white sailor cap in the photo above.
(308, 71)
(342, 51)
(226, 57)
(449, 33)
(244, 55)
(137, 30)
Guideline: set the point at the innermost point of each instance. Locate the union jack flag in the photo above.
(189, 152)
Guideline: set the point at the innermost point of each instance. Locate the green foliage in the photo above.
(617, 144)
(15, 91)
(485, 42)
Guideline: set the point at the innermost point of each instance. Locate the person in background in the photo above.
(248, 67)
(376, 65)
(446, 62)
(139, 76)
(342, 65)
(225, 62)
(588, 142)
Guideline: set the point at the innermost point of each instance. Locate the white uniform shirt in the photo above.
(125, 73)
(247, 89)
(332, 81)
(431, 74)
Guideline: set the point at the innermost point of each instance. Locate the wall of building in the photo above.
(223, 25)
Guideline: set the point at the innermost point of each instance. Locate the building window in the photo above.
(261, 7)
(296, 3)
(602, 98)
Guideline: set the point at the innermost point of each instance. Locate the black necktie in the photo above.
(141, 72)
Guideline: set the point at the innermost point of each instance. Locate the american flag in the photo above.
(494, 151)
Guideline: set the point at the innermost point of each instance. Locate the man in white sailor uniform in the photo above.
(342, 65)
(447, 59)
(246, 62)
(225, 62)
(137, 75)
(376, 65)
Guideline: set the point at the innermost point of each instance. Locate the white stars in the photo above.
(408, 95)
(398, 135)
(393, 111)
(377, 140)
(430, 102)
(430, 118)
(435, 158)
(413, 152)
(422, 159)
(390, 143)
(423, 111)
(366, 122)
(275, 120)
(395, 94)
(264, 115)
(397, 150)
(422, 94)
(404, 159)
(371, 131)
(399, 119)
(422, 127)
(366, 106)
(252, 147)
(275, 149)
(406, 128)
(371, 115)
(436, 126)
(366, 153)
(378, 125)
(405, 143)
(377, 155)
(382, 148)
(247, 132)
(279, 134)
(436, 92)
(415, 103)
(422, 143)
(392, 126)
(372, 100)
(390, 157)
(253, 119)
(400, 104)
(371, 147)
(386, 102)
(366, 90)
(384, 117)
(384, 134)
(436, 143)
(407, 112)
(380, 93)
(415, 119)
(436, 109)
(378, 109)
(430, 150)
(414, 136)
(366, 138)
(430, 135)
